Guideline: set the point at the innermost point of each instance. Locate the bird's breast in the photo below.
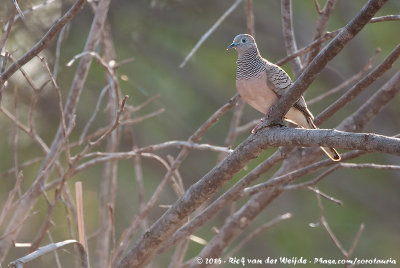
(256, 92)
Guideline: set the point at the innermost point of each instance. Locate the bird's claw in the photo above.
(278, 123)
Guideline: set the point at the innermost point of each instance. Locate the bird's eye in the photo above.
(243, 40)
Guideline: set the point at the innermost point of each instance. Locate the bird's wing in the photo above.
(279, 81)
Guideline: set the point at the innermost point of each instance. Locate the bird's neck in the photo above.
(249, 64)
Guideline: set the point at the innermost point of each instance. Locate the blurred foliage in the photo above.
(159, 34)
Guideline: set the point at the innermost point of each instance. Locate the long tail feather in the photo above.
(331, 152)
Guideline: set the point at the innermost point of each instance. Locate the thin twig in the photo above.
(369, 165)
(49, 248)
(247, 127)
(56, 256)
(33, 8)
(329, 35)
(143, 104)
(292, 94)
(385, 18)
(287, 178)
(21, 166)
(58, 50)
(185, 144)
(328, 229)
(142, 118)
(18, 9)
(178, 161)
(10, 200)
(43, 42)
(256, 232)
(209, 32)
(355, 90)
(225, 199)
(321, 24)
(80, 217)
(312, 182)
(324, 195)
(345, 253)
(325, 37)
(96, 110)
(289, 37)
(250, 18)
(16, 139)
(7, 31)
(347, 82)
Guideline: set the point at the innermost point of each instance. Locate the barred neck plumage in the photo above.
(249, 64)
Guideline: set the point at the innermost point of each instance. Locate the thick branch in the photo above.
(219, 175)
(355, 90)
(329, 138)
(322, 59)
(227, 198)
(373, 106)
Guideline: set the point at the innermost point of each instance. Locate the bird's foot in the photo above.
(256, 128)
(278, 123)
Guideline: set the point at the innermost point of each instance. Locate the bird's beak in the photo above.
(232, 45)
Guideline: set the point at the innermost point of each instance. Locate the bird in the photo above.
(261, 83)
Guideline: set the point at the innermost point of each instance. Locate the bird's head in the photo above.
(242, 43)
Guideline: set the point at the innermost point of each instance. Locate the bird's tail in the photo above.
(331, 152)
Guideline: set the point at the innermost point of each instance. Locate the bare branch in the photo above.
(322, 59)
(312, 182)
(328, 229)
(284, 136)
(257, 232)
(209, 32)
(250, 18)
(228, 197)
(18, 9)
(360, 86)
(322, 22)
(345, 83)
(49, 248)
(325, 37)
(7, 31)
(385, 18)
(324, 195)
(186, 144)
(167, 228)
(289, 177)
(43, 42)
(329, 35)
(369, 165)
(288, 35)
(233, 128)
(142, 118)
(373, 106)
(346, 254)
(96, 110)
(356, 239)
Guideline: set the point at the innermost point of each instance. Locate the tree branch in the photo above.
(355, 90)
(289, 37)
(322, 59)
(43, 42)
